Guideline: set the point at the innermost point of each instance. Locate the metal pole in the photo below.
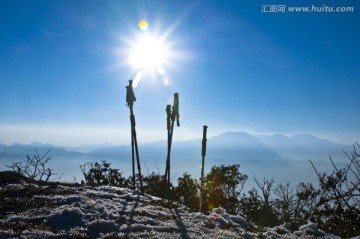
(137, 156)
(174, 115)
(130, 99)
(203, 154)
(132, 153)
(168, 162)
(168, 126)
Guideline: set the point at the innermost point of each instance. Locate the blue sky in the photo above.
(64, 68)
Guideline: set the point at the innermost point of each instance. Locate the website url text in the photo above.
(313, 8)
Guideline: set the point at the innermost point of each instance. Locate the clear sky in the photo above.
(64, 66)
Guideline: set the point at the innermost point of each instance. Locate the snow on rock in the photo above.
(310, 229)
(65, 218)
(284, 229)
(111, 212)
(102, 226)
(68, 200)
(219, 217)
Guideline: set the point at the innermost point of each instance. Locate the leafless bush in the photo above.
(35, 166)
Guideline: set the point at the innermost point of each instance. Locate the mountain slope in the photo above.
(304, 147)
(235, 147)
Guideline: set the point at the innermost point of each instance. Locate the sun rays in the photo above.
(150, 52)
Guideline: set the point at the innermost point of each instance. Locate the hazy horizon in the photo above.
(178, 140)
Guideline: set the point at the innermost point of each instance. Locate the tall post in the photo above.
(130, 99)
(174, 116)
(168, 126)
(203, 154)
(138, 158)
(132, 153)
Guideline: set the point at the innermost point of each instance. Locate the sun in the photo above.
(149, 52)
(152, 53)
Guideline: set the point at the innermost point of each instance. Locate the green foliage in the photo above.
(187, 191)
(223, 186)
(102, 174)
(251, 207)
(154, 184)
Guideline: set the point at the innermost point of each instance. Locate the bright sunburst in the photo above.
(151, 52)
(148, 53)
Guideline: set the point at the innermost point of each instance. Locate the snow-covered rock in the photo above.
(111, 212)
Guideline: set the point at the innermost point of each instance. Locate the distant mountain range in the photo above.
(284, 158)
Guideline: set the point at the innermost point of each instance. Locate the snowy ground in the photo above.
(30, 210)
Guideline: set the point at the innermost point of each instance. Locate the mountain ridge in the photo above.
(228, 134)
(265, 155)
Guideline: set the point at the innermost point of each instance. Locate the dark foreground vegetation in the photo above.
(333, 204)
(40, 209)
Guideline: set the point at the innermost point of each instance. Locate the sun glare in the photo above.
(137, 78)
(148, 53)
